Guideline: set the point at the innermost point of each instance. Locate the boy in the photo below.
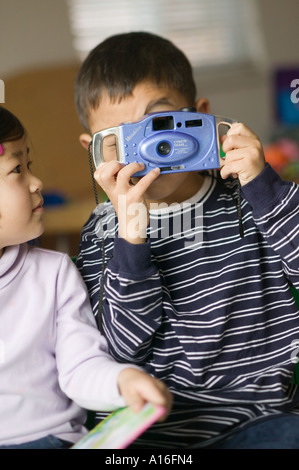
(203, 308)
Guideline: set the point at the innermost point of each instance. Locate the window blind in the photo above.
(210, 32)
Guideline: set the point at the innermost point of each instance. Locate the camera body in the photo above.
(176, 141)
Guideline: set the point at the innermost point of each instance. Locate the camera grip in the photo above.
(98, 145)
(226, 122)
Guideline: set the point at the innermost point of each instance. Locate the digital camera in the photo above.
(175, 141)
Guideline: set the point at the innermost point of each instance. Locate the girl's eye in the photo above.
(17, 169)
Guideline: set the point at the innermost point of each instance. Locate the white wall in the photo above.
(33, 33)
(36, 33)
(248, 95)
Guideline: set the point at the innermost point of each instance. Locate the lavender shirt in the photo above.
(53, 360)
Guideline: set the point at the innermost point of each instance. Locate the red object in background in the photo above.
(283, 156)
(276, 157)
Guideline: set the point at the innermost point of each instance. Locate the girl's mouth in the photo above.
(39, 208)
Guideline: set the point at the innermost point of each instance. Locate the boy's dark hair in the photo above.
(122, 61)
(10, 127)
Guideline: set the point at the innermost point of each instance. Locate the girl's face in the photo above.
(20, 196)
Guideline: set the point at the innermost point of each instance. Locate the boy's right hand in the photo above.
(127, 199)
(138, 388)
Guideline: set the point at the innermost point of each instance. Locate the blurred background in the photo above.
(245, 58)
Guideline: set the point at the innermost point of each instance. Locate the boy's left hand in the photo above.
(138, 388)
(244, 156)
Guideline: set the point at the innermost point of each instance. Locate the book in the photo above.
(120, 428)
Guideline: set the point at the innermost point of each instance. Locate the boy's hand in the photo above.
(244, 157)
(138, 388)
(127, 199)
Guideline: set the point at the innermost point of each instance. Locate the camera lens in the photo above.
(164, 148)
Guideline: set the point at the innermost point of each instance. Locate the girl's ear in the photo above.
(84, 140)
(203, 105)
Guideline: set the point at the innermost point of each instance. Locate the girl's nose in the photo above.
(35, 184)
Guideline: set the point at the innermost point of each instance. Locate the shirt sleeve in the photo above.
(87, 373)
(275, 207)
(133, 302)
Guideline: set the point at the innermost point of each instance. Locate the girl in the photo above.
(53, 361)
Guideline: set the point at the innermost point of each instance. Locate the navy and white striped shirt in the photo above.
(204, 310)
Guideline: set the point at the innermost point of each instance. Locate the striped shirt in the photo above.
(204, 310)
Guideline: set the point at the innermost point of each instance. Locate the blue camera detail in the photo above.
(175, 142)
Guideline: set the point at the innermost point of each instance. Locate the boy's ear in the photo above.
(84, 140)
(203, 105)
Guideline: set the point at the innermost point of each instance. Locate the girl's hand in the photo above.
(138, 388)
(244, 156)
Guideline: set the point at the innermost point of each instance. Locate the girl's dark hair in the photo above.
(122, 61)
(10, 126)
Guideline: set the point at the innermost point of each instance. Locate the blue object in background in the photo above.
(287, 95)
(53, 198)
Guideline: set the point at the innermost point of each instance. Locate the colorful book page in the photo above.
(120, 428)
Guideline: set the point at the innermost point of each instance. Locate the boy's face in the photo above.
(148, 98)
